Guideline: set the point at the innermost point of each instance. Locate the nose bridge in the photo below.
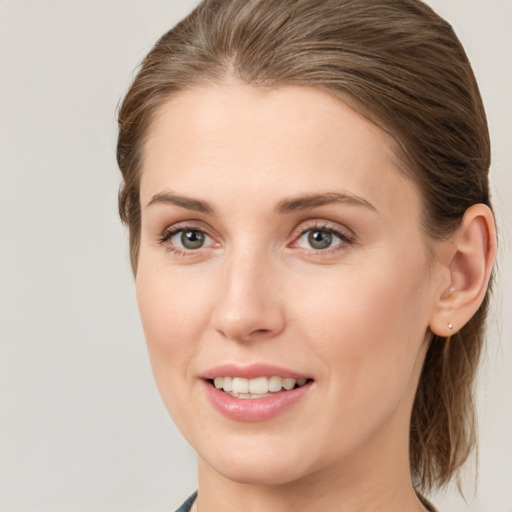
(248, 305)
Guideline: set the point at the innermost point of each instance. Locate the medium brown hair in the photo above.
(402, 66)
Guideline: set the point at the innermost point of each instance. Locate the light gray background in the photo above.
(82, 427)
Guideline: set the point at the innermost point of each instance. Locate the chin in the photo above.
(256, 461)
(264, 471)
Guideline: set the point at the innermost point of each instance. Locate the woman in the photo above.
(305, 184)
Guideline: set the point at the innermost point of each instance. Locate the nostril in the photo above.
(234, 334)
(259, 332)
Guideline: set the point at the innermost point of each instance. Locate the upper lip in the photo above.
(252, 371)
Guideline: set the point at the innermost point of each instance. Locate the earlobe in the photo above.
(469, 264)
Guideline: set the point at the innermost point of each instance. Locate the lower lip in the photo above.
(254, 409)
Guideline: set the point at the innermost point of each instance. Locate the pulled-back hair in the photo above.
(400, 65)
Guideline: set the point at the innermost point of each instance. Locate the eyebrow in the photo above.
(288, 205)
(307, 202)
(182, 201)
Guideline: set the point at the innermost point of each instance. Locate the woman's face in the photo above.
(280, 241)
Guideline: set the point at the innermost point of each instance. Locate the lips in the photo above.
(254, 393)
(252, 371)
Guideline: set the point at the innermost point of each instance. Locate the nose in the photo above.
(249, 307)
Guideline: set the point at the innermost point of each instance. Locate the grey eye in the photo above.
(322, 238)
(192, 239)
(319, 239)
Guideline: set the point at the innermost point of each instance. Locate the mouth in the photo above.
(256, 392)
(255, 388)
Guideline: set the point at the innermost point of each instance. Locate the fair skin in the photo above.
(304, 252)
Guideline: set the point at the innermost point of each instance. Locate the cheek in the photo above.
(171, 302)
(174, 316)
(367, 324)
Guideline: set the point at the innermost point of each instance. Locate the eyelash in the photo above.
(174, 230)
(345, 238)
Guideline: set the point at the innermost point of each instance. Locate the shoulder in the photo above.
(187, 504)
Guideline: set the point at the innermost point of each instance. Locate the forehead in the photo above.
(233, 137)
(251, 114)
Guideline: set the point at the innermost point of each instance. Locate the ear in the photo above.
(467, 261)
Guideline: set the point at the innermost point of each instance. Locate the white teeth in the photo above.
(247, 395)
(240, 387)
(227, 385)
(275, 384)
(289, 384)
(258, 386)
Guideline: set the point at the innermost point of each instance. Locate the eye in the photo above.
(189, 239)
(185, 239)
(319, 239)
(322, 238)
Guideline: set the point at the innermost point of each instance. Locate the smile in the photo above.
(255, 399)
(259, 387)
